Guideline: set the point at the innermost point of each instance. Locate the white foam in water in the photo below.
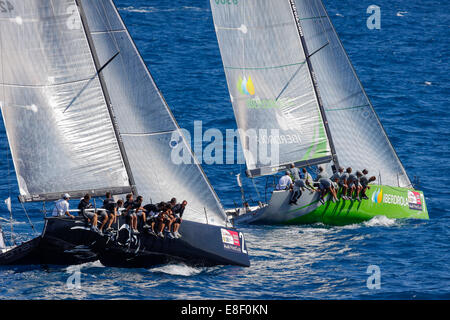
(79, 267)
(401, 13)
(178, 270)
(382, 221)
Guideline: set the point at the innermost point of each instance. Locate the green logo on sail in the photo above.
(245, 86)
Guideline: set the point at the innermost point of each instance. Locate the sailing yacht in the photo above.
(288, 73)
(83, 115)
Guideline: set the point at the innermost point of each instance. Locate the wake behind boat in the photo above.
(84, 116)
(298, 102)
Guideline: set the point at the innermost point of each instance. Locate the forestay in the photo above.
(147, 127)
(58, 126)
(358, 135)
(270, 85)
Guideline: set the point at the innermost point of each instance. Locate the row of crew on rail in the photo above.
(156, 219)
(353, 185)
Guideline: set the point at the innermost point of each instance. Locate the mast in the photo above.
(314, 81)
(99, 69)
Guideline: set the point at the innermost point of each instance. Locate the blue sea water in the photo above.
(404, 68)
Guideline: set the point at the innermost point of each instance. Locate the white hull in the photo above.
(279, 210)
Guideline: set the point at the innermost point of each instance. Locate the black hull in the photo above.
(24, 254)
(200, 245)
(66, 242)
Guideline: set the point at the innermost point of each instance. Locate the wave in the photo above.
(377, 221)
(380, 221)
(401, 13)
(178, 270)
(79, 267)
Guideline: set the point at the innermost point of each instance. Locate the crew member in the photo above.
(285, 182)
(295, 173)
(178, 211)
(62, 207)
(111, 210)
(90, 216)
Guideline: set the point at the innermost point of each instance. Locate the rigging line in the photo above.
(289, 82)
(256, 189)
(318, 50)
(90, 80)
(29, 220)
(108, 62)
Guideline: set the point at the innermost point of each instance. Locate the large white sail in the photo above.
(145, 122)
(270, 83)
(358, 135)
(57, 121)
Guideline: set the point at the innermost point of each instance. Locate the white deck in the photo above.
(279, 210)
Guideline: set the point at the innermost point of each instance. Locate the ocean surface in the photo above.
(404, 68)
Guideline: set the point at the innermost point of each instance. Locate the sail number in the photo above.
(6, 6)
(241, 235)
(235, 2)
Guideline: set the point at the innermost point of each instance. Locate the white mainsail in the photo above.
(83, 113)
(57, 122)
(270, 83)
(261, 38)
(358, 135)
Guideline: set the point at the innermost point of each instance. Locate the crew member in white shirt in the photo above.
(62, 207)
(285, 182)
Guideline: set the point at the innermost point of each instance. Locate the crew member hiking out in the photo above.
(62, 207)
(89, 216)
(111, 210)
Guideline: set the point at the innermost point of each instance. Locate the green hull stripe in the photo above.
(392, 202)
